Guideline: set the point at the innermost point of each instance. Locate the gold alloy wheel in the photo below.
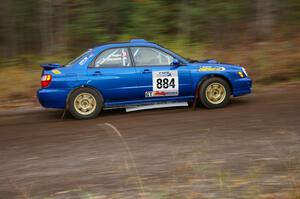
(215, 93)
(85, 103)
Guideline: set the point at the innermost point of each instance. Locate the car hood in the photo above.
(214, 63)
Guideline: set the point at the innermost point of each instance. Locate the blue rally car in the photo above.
(137, 73)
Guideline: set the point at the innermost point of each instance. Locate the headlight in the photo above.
(241, 74)
(244, 71)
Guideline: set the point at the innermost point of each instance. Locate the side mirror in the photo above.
(176, 63)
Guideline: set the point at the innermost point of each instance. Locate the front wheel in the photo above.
(214, 93)
(85, 103)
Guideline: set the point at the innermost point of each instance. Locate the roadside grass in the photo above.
(20, 79)
(17, 82)
(266, 62)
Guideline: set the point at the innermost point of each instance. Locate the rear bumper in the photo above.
(52, 98)
(242, 86)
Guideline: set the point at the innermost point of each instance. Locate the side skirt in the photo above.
(123, 104)
(155, 106)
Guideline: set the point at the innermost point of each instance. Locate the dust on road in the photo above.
(248, 150)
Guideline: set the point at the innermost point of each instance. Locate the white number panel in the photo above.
(165, 83)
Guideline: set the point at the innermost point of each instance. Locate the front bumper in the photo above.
(241, 86)
(52, 98)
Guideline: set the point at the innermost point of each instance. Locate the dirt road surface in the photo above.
(251, 149)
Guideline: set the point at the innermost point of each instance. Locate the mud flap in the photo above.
(196, 97)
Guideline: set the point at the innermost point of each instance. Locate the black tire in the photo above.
(204, 99)
(99, 103)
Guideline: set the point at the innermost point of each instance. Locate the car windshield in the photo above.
(181, 57)
(85, 54)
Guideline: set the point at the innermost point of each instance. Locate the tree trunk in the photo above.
(9, 46)
(264, 18)
(46, 26)
(184, 21)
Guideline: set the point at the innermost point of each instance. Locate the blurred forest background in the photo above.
(262, 35)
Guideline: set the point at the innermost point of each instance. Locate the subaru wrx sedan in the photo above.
(137, 73)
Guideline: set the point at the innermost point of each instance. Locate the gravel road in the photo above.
(250, 149)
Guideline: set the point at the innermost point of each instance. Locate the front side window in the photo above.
(116, 57)
(145, 56)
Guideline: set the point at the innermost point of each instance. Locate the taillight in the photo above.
(46, 80)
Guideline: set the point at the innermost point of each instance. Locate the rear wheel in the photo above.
(214, 93)
(85, 103)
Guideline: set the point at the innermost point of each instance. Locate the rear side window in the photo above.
(116, 57)
(145, 56)
(85, 54)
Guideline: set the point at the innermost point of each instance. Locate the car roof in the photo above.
(133, 42)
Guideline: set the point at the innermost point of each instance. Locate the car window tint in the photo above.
(150, 57)
(116, 57)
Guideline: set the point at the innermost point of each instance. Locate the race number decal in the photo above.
(165, 83)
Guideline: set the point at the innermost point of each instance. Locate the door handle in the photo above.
(147, 71)
(96, 73)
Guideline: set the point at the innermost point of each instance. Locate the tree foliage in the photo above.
(53, 26)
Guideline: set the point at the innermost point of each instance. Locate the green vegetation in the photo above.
(262, 35)
(47, 27)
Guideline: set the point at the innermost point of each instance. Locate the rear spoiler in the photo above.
(51, 66)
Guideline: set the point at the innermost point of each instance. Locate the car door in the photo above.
(113, 74)
(158, 78)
